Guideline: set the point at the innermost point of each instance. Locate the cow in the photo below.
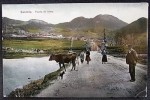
(64, 58)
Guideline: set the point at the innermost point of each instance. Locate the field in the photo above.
(48, 45)
(41, 43)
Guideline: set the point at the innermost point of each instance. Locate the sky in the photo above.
(62, 12)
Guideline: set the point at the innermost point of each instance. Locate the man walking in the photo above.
(131, 59)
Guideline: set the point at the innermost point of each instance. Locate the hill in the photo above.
(107, 21)
(31, 26)
(136, 27)
(135, 33)
(91, 27)
(35, 25)
(8, 21)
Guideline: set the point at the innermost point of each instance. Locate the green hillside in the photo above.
(135, 34)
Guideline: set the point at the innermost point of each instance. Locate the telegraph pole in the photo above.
(103, 45)
(104, 36)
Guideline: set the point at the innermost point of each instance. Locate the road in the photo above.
(98, 80)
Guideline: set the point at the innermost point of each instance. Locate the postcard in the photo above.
(75, 50)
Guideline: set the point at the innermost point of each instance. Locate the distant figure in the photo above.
(131, 59)
(88, 56)
(104, 56)
(82, 56)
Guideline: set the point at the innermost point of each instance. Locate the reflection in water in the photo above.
(19, 72)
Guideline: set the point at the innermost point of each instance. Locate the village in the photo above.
(24, 35)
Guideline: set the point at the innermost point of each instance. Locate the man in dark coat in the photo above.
(131, 59)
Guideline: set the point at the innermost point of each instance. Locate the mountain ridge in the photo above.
(37, 21)
(79, 26)
(99, 20)
(81, 22)
(137, 26)
(134, 33)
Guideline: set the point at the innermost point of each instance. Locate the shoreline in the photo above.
(35, 86)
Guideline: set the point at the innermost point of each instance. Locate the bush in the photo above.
(115, 49)
(141, 49)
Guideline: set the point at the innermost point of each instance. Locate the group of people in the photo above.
(104, 56)
(87, 58)
(131, 59)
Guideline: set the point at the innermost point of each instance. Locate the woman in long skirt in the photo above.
(88, 56)
(104, 56)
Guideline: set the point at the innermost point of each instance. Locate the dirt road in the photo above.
(98, 80)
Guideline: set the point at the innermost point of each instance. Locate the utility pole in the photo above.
(103, 44)
(104, 36)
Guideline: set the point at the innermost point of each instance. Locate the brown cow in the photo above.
(64, 58)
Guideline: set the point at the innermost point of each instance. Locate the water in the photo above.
(19, 72)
